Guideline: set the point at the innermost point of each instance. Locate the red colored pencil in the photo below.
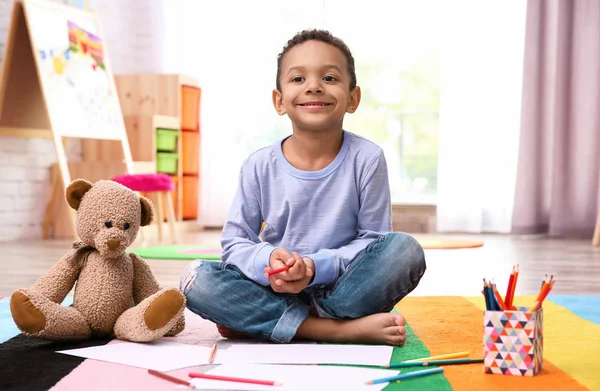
(513, 287)
(511, 281)
(281, 269)
(233, 379)
(170, 378)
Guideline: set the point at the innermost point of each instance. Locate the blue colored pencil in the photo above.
(403, 376)
(435, 362)
(491, 297)
(488, 305)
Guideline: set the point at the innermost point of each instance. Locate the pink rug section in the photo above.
(200, 250)
(93, 375)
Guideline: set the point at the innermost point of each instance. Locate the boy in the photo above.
(324, 198)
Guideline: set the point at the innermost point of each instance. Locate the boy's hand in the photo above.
(301, 270)
(279, 258)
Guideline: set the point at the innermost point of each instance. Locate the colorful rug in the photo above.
(213, 252)
(437, 325)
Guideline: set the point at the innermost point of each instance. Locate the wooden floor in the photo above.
(575, 264)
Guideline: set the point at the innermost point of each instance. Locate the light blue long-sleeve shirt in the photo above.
(329, 215)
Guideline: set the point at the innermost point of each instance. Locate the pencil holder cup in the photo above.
(513, 342)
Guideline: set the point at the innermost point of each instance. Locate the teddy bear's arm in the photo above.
(144, 282)
(56, 283)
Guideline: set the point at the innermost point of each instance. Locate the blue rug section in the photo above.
(585, 307)
(8, 329)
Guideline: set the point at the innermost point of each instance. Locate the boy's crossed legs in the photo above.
(357, 308)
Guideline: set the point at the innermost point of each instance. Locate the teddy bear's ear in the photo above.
(147, 211)
(75, 192)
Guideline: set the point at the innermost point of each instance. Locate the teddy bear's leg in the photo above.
(37, 316)
(178, 328)
(152, 318)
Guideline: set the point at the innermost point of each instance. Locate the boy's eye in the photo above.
(329, 78)
(297, 79)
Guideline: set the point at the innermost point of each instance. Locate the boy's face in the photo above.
(315, 87)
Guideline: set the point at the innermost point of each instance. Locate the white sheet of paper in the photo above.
(158, 355)
(306, 354)
(296, 377)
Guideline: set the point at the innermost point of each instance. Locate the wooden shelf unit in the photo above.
(159, 101)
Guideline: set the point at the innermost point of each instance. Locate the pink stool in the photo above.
(157, 186)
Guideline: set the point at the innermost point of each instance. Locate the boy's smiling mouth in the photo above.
(315, 105)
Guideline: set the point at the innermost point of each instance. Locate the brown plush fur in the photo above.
(116, 292)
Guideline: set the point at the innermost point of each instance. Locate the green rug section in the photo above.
(177, 252)
(414, 348)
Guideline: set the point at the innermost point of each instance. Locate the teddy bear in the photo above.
(115, 293)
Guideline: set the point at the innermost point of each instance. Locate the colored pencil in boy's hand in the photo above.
(277, 271)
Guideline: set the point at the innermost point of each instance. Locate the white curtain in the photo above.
(480, 109)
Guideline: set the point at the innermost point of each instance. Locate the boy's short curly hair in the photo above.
(322, 36)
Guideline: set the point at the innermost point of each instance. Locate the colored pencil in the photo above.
(542, 293)
(507, 297)
(499, 298)
(170, 378)
(440, 357)
(514, 286)
(281, 269)
(435, 362)
(403, 376)
(488, 305)
(213, 353)
(233, 379)
(546, 288)
(490, 294)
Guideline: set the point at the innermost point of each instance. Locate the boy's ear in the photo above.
(354, 100)
(278, 102)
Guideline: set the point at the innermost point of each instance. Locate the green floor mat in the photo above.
(180, 252)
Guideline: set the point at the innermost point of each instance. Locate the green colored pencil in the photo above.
(434, 362)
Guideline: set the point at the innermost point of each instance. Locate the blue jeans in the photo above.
(387, 270)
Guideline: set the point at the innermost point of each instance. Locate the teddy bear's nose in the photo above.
(113, 243)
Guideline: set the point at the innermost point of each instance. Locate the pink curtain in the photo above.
(558, 178)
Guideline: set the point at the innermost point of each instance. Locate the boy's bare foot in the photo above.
(377, 329)
(231, 334)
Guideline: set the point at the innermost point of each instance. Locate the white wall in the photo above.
(133, 39)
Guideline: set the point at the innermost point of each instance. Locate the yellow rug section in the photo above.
(446, 244)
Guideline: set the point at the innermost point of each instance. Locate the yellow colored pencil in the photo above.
(213, 353)
(440, 357)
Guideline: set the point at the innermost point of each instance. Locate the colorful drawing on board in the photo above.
(87, 43)
(77, 76)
